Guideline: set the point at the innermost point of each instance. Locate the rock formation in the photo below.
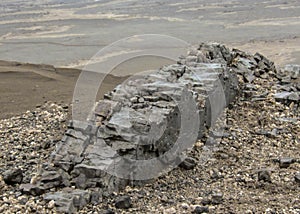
(142, 119)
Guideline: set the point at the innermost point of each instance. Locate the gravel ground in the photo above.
(26, 142)
(254, 169)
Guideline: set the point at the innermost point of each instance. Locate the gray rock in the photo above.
(292, 70)
(249, 77)
(63, 202)
(219, 134)
(285, 162)
(140, 119)
(269, 134)
(264, 175)
(123, 202)
(188, 163)
(206, 201)
(108, 211)
(282, 95)
(51, 176)
(297, 177)
(287, 97)
(13, 176)
(286, 79)
(216, 198)
(287, 119)
(96, 196)
(69, 200)
(105, 108)
(199, 210)
(80, 198)
(294, 97)
(32, 189)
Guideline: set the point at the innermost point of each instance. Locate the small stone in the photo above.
(96, 197)
(294, 97)
(287, 97)
(171, 210)
(199, 210)
(281, 96)
(46, 144)
(250, 87)
(248, 94)
(32, 189)
(264, 175)
(249, 77)
(293, 71)
(64, 202)
(13, 176)
(2, 183)
(215, 174)
(123, 202)
(297, 177)
(217, 198)
(141, 100)
(188, 163)
(134, 99)
(220, 134)
(286, 79)
(51, 204)
(206, 201)
(271, 134)
(23, 199)
(65, 106)
(108, 211)
(285, 162)
(185, 206)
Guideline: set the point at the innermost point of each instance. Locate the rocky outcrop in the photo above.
(141, 120)
(289, 84)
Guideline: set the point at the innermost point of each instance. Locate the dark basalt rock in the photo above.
(199, 210)
(188, 163)
(13, 176)
(264, 175)
(285, 162)
(123, 202)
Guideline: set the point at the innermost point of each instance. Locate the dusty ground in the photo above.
(25, 86)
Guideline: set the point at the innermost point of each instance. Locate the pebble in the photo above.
(2, 183)
(199, 210)
(13, 176)
(285, 162)
(185, 206)
(217, 198)
(171, 210)
(188, 164)
(297, 177)
(51, 204)
(123, 202)
(108, 211)
(264, 175)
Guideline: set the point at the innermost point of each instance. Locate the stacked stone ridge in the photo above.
(140, 120)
